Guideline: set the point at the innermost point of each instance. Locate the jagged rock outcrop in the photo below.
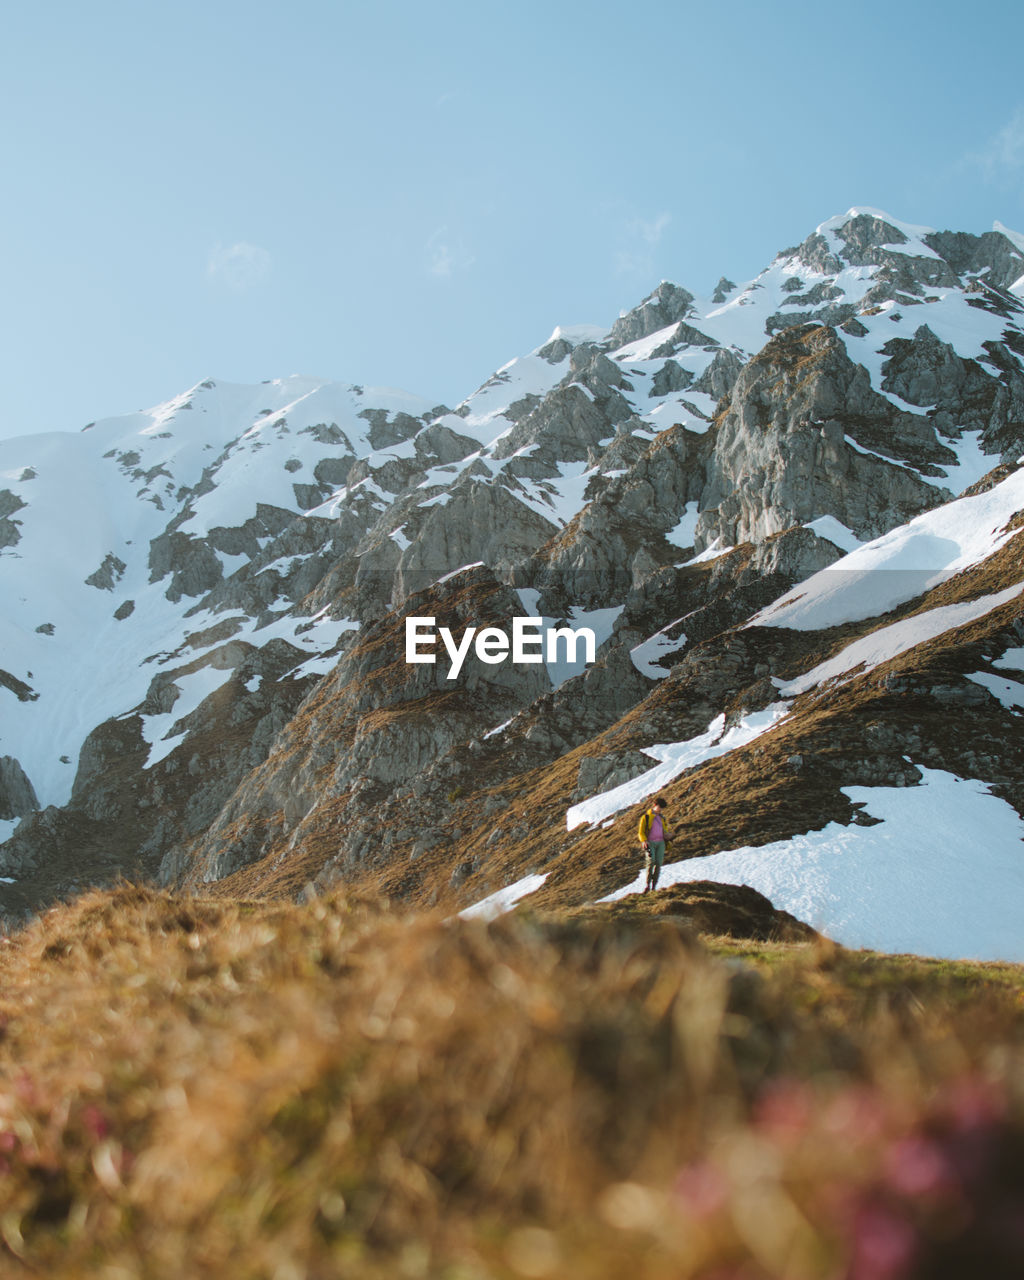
(991, 255)
(10, 503)
(959, 394)
(620, 533)
(667, 305)
(719, 378)
(805, 435)
(17, 797)
(108, 574)
(481, 522)
(574, 417)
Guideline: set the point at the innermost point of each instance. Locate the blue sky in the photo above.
(410, 194)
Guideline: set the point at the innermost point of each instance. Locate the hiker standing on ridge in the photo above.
(653, 834)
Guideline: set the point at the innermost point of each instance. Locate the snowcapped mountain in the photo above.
(790, 513)
(110, 535)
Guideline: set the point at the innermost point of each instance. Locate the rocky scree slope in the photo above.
(203, 621)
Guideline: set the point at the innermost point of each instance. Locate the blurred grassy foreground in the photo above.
(200, 1088)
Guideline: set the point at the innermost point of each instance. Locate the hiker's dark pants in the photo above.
(654, 860)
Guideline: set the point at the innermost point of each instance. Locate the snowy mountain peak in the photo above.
(572, 335)
(907, 231)
(1015, 237)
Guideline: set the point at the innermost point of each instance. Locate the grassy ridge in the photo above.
(215, 1088)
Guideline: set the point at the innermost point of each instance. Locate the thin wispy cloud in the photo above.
(642, 236)
(239, 266)
(1003, 154)
(447, 254)
(651, 231)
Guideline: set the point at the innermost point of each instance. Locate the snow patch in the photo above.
(972, 462)
(574, 334)
(717, 549)
(455, 572)
(319, 665)
(901, 564)
(560, 498)
(1009, 692)
(1012, 658)
(193, 690)
(1014, 237)
(600, 621)
(676, 758)
(648, 654)
(682, 534)
(496, 904)
(836, 532)
(889, 642)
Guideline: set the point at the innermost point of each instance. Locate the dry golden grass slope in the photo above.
(216, 1088)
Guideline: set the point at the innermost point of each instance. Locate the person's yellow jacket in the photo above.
(645, 825)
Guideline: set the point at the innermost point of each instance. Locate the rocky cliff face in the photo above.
(805, 434)
(237, 566)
